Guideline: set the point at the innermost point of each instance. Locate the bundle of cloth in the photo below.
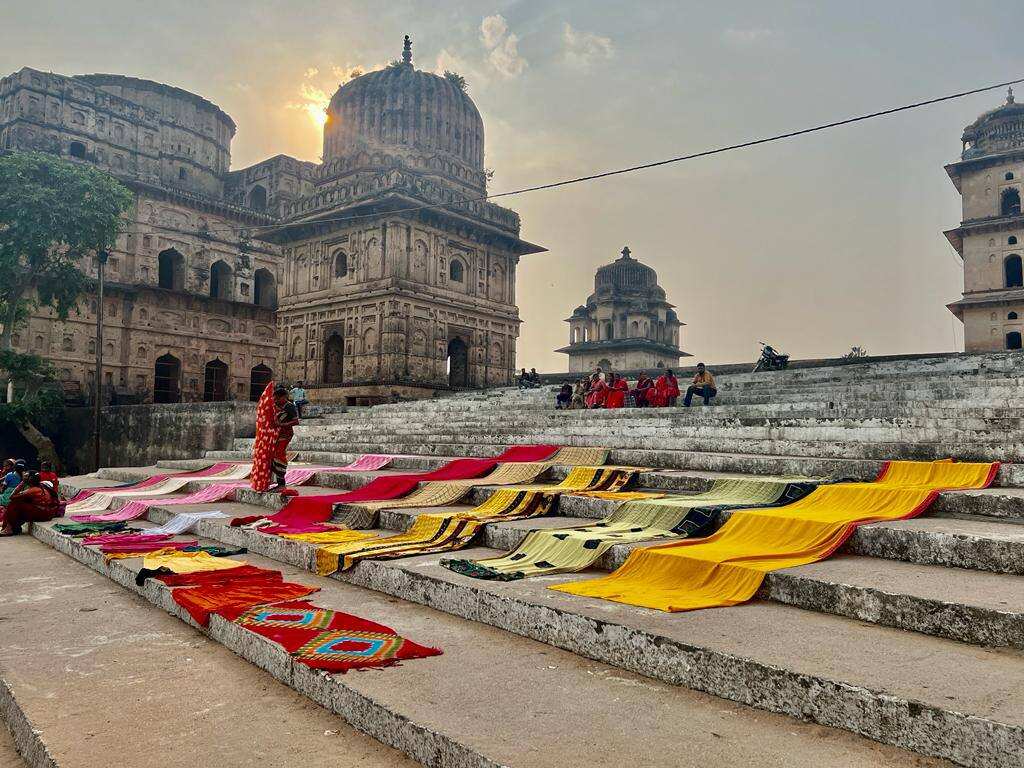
(728, 567)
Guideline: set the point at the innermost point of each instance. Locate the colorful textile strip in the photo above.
(336, 536)
(101, 501)
(330, 640)
(520, 453)
(211, 471)
(575, 549)
(728, 567)
(579, 457)
(132, 510)
(590, 479)
(134, 537)
(230, 593)
(302, 511)
(189, 562)
(266, 440)
(368, 462)
(121, 551)
(437, 533)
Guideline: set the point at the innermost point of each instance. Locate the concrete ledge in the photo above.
(427, 747)
(26, 738)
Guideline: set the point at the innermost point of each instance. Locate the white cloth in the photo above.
(184, 521)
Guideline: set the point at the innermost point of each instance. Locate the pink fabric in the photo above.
(150, 481)
(368, 462)
(126, 538)
(146, 546)
(211, 493)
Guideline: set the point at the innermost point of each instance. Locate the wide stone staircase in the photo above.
(906, 648)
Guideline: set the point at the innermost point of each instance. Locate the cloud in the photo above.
(450, 61)
(313, 100)
(584, 48)
(311, 72)
(503, 46)
(750, 36)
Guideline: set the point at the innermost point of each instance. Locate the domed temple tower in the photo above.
(990, 239)
(626, 324)
(393, 284)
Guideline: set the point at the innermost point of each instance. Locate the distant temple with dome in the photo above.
(627, 323)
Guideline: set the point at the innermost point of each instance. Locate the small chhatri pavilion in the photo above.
(626, 323)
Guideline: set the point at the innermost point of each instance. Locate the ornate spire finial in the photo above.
(1009, 95)
(407, 50)
(626, 252)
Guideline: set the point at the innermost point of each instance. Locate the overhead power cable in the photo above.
(642, 166)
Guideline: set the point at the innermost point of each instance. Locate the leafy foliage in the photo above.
(457, 80)
(36, 395)
(53, 213)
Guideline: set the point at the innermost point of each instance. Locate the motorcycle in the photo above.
(770, 359)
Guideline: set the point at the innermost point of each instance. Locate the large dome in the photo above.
(997, 130)
(405, 112)
(626, 275)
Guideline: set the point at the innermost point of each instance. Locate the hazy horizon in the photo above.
(813, 244)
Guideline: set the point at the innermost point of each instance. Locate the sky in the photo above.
(814, 245)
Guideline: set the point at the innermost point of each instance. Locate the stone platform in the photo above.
(907, 648)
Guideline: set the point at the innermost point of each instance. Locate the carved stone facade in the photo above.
(190, 305)
(626, 323)
(990, 238)
(383, 292)
(394, 275)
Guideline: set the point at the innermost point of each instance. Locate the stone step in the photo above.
(995, 504)
(421, 706)
(1010, 475)
(118, 682)
(934, 695)
(625, 444)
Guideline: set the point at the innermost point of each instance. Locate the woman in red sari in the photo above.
(667, 388)
(31, 503)
(644, 387)
(597, 393)
(617, 391)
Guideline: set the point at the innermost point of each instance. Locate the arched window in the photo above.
(1011, 316)
(265, 290)
(77, 149)
(215, 383)
(1011, 240)
(220, 280)
(1009, 176)
(258, 198)
(458, 363)
(456, 270)
(1010, 202)
(1013, 340)
(1014, 274)
(334, 359)
(166, 377)
(172, 270)
(340, 264)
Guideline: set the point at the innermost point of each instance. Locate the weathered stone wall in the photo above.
(139, 435)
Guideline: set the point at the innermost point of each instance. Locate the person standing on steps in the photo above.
(298, 396)
(287, 419)
(703, 385)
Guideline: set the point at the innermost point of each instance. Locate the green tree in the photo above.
(53, 214)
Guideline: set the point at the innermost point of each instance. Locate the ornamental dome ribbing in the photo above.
(997, 130)
(627, 275)
(405, 112)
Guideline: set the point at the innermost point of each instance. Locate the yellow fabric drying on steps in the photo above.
(728, 567)
(577, 457)
(436, 532)
(340, 536)
(189, 562)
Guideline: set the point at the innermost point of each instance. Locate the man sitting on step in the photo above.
(703, 385)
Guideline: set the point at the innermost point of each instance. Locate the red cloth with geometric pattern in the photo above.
(330, 640)
(266, 440)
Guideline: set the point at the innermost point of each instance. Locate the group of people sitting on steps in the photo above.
(610, 390)
(27, 496)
